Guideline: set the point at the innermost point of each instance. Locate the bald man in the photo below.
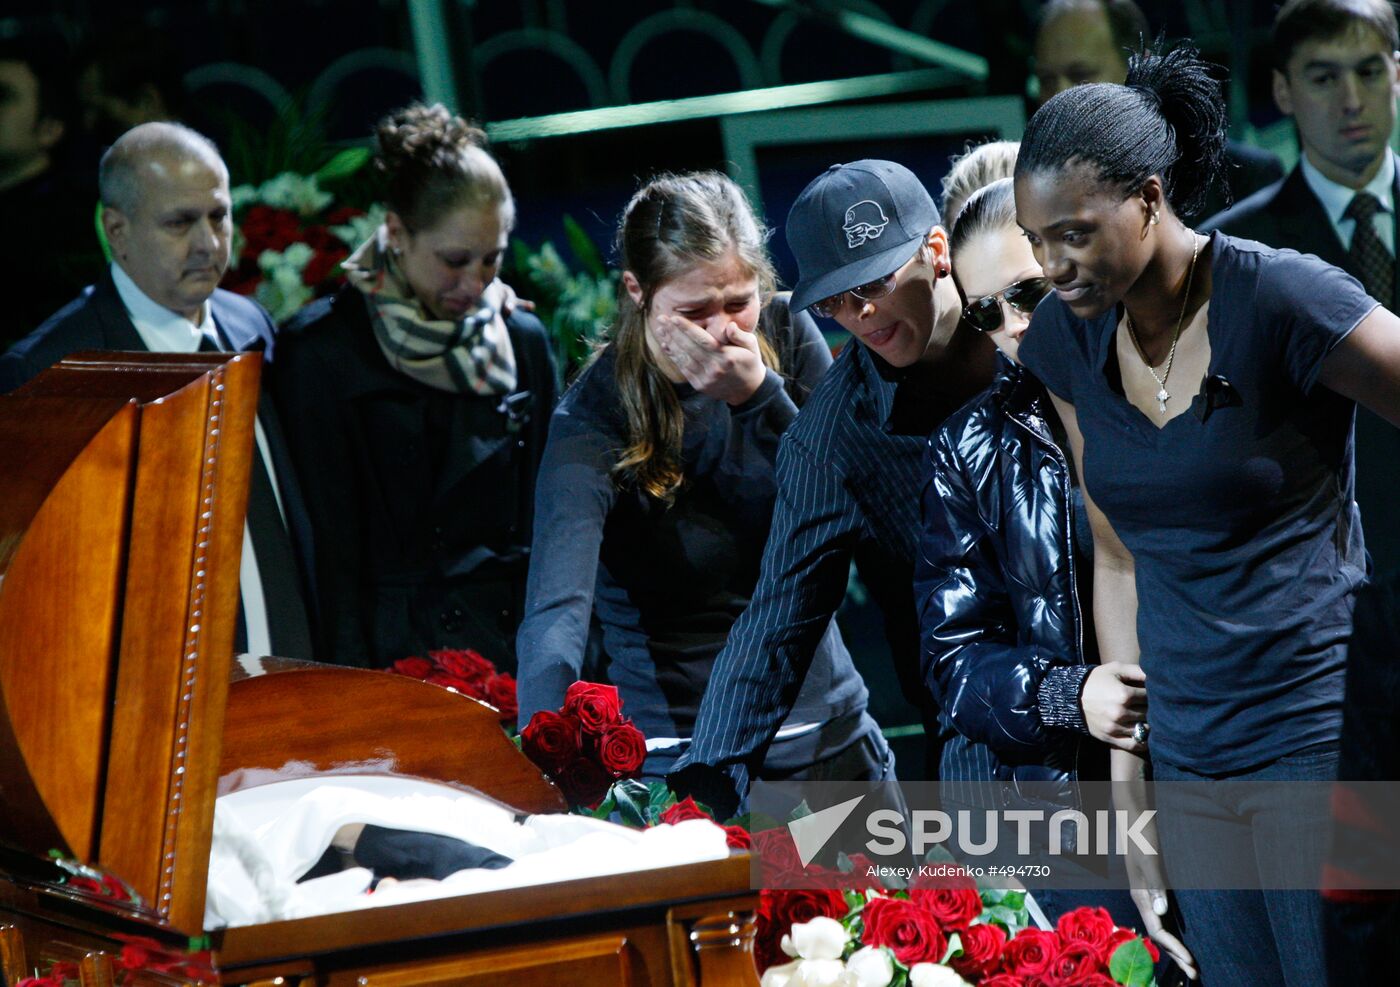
(167, 216)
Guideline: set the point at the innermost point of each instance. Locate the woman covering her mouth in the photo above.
(416, 411)
(657, 488)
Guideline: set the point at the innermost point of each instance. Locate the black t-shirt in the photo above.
(1239, 512)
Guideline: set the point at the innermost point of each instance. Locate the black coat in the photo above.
(97, 320)
(1006, 640)
(1288, 214)
(423, 498)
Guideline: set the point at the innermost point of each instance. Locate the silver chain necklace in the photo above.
(1163, 396)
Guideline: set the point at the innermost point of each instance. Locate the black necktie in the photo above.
(287, 624)
(1373, 263)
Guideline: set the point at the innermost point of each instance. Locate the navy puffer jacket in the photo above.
(1007, 643)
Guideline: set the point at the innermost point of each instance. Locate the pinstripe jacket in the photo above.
(849, 471)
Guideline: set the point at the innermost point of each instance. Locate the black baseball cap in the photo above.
(856, 223)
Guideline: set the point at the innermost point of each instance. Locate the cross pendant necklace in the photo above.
(1163, 396)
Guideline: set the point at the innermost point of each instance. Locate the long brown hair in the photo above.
(673, 223)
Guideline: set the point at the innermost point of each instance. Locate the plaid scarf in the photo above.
(470, 356)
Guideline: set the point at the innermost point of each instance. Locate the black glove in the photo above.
(406, 855)
(705, 783)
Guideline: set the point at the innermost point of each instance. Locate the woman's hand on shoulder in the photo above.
(1114, 700)
(729, 368)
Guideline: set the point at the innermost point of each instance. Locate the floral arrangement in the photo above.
(289, 239)
(944, 936)
(576, 306)
(587, 746)
(467, 672)
(90, 880)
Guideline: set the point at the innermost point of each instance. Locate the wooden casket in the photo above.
(123, 484)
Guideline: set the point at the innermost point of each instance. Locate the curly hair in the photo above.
(434, 162)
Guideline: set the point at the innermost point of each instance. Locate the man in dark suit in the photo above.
(1335, 74)
(167, 216)
(1079, 41)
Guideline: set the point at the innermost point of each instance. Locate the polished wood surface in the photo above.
(62, 530)
(135, 574)
(178, 627)
(381, 723)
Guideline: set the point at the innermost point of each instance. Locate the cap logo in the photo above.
(864, 221)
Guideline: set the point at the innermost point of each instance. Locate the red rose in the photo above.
(584, 782)
(596, 706)
(683, 810)
(622, 750)
(1121, 936)
(550, 740)
(779, 911)
(463, 663)
(134, 957)
(738, 838)
(862, 875)
(265, 228)
(341, 215)
(323, 265)
(778, 860)
(87, 884)
(65, 970)
(1074, 960)
(1002, 980)
(500, 692)
(952, 907)
(982, 946)
(946, 876)
(910, 931)
(1094, 979)
(1031, 953)
(1093, 926)
(112, 887)
(414, 667)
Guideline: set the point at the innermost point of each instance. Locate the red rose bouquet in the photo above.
(939, 937)
(290, 236)
(587, 746)
(463, 670)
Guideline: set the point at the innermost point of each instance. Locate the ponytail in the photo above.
(1168, 119)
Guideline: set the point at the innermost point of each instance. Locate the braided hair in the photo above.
(1168, 119)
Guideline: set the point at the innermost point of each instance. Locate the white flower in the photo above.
(779, 976)
(358, 229)
(299, 193)
(820, 939)
(871, 967)
(935, 975)
(242, 195)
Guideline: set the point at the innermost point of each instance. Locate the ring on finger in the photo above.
(1140, 731)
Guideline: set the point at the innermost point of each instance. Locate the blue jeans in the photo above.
(1247, 938)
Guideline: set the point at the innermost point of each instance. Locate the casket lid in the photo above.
(122, 500)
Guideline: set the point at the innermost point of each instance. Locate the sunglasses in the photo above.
(985, 313)
(879, 288)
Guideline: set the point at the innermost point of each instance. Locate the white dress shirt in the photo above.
(1335, 198)
(164, 331)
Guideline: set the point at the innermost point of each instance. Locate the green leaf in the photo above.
(1131, 964)
(631, 796)
(602, 810)
(1001, 915)
(954, 948)
(1014, 900)
(343, 164)
(583, 247)
(802, 811)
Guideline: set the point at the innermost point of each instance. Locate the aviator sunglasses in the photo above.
(985, 313)
(871, 290)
